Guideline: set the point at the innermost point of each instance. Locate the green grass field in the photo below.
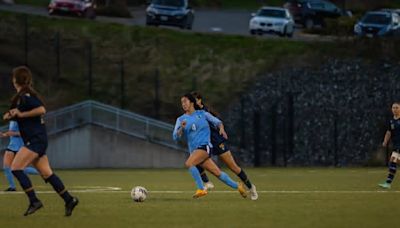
(288, 198)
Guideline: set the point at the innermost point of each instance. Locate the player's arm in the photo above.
(7, 116)
(178, 129)
(10, 134)
(217, 123)
(39, 111)
(386, 139)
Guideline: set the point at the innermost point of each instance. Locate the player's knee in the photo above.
(188, 164)
(16, 166)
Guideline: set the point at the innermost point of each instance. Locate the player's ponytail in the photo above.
(210, 110)
(22, 76)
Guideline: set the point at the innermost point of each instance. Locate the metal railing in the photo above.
(95, 113)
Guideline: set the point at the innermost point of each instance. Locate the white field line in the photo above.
(104, 189)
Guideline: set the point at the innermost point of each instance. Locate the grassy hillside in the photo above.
(220, 66)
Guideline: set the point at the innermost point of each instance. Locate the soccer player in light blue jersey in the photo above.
(193, 125)
(221, 149)
(13, 147)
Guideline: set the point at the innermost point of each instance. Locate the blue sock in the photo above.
(26, 185)
(31, 170)
(196, 176)
(227, 180)
(9, 176)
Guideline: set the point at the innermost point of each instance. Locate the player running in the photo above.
(193, 125)
(221, 150)
(28, 110)
(393, 132)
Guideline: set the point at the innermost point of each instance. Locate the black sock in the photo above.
(26, 185)
(392, 172)
(203, 174)
(242, 175)
(58, 186)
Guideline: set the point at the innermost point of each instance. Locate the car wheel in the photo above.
(309, 23)
(283, 33)
(90, 13)
(253, 32)
(290, 34)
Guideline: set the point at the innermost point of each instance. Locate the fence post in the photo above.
(122, 74)
(89, 72)
(256, 126)
(26, 30)
(274, 115)
(335, 138)
(194, 82)
(290, 124)
(157, 94)
(57, 49)
(242, 124)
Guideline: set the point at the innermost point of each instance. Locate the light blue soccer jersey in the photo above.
(16, 142)
(197, 130)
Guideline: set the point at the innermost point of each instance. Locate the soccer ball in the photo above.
(138, 194)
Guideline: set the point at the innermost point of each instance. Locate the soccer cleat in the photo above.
(33, 207)
(385, 185)
(69, 207)
(242, 190)
(10, 189)
(200, 193)
(209, 185)
(253, 192)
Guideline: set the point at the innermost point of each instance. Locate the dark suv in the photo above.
(378, 23)
(313, 12)
(170, 12)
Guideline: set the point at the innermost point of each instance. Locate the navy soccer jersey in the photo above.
(32, 129)
(216, 138)
(394, 128)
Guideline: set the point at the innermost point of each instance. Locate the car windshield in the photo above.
(176, 3)
(375, 18)
(271, 13)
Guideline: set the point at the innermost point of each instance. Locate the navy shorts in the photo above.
(204, 147)
(217, 150)
(12, 151)
(37, 147)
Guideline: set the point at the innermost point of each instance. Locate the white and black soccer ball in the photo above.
(139, 194)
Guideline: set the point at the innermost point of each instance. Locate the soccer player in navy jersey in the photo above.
(221, 149)
(193, 125)
(393, 133)
(13, 147)
(28, 110)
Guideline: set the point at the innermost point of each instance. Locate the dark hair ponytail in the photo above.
(210, 110)
(23, 77)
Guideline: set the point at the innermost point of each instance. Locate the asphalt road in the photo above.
(232, 22)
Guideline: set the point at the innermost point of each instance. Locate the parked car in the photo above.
(81, 8)
(170, 12)
(378, 23)
(274, 20)
(313, 12)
